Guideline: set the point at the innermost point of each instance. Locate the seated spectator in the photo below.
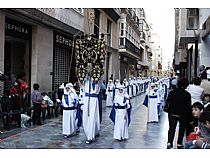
(208, 73)
(197, 110)
(206, 102)
(24, 120)
(47, 103)
(205, 84)
(203, 142)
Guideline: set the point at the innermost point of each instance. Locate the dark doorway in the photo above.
(17, 60)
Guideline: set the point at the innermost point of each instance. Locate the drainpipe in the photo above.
(196, 58)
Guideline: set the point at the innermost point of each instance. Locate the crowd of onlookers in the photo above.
(189, 104)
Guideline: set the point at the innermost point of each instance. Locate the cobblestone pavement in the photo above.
(49, 136)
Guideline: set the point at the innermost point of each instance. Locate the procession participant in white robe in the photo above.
(79, 110)
(125, 84)
(134, 87)
(151, 101)
(91, 115)
(138, 85)
(120, 114)
(116, 85)
(130, 88)
(109, 93)
(69, 102)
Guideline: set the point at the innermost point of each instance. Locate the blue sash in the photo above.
(91, 95)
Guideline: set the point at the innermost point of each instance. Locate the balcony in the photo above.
(131, 47)
(188, 29)
(68, 16)
(113, 13)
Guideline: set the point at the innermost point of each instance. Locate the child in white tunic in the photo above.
(69, 102)
(120, 114)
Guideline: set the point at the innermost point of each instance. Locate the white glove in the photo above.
(58, 100)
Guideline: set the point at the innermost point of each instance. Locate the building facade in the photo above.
(132, 47)
(105, 21)
(39, 43)
(191, 41)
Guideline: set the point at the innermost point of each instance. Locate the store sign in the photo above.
(63, 40)
(17, 28)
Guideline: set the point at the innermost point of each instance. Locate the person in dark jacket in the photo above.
(179, 111)
(202, 70)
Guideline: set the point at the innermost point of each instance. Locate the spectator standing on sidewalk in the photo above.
(195, 90)
(179, 110)
(23, 85)
(202, 73)
(36, 97)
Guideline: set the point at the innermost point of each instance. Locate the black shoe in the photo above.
(88, 141)
(66, 136)
(40, 124)
(169, 146)
(77, 132)
(180, 146)
(97, 135)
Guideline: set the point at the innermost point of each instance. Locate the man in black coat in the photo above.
(179, 110)
(202, 70)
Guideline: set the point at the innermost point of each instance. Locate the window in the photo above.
(192, 19)
(122, 30)
(97, 22)
(122, 41)
(141, 26)
(122, 25)
(109, 33)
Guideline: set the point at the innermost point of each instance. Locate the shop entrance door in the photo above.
(17, 60)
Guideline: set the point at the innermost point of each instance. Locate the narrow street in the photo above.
(49, 135)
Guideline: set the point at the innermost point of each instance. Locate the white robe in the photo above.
(109, 94)
(121, 124)
(116, 90)
(134, 88)
(69, 124)
(91, 122)
(130, 89)
(153, 105)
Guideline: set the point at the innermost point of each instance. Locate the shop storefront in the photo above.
(64, 60)
(17, 51)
